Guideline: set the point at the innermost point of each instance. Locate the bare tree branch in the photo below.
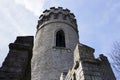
(115, 55)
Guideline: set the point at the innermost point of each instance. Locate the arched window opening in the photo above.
(60, 39)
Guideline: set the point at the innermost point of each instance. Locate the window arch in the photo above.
(60, 38)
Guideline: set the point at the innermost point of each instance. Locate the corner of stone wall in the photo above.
(17, 64)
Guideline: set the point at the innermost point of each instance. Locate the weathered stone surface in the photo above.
(106, 70)
(89, 68)
(49, 61)
(17, 65)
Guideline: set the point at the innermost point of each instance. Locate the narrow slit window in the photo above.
(74, 76)
(60, 39)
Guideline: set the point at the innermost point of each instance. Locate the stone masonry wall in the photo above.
(49, 60)
(86, 67)
(17, 64)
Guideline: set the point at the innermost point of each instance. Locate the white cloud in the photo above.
(15, 20)
(35, 6)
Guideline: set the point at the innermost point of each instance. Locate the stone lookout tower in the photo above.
(55, 41)
(57, 53)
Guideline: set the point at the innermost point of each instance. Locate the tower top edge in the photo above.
(57, 14)
(58, 10)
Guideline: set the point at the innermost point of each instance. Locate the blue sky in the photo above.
(98, 21)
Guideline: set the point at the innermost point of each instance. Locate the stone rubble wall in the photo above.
(17, 64)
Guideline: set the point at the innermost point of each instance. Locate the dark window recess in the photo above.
(74, 76)
(60, 39)
(64, 17)
(55, 16)
(76, 65)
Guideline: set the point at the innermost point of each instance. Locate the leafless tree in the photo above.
(115, 55)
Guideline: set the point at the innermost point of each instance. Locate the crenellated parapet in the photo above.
(57, 15)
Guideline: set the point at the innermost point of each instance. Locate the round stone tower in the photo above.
(55, 40)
